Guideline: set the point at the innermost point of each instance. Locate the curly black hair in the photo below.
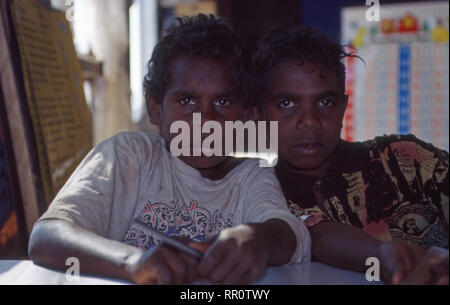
(304, 43)
(204, 36)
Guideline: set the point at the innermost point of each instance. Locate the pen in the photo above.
(169, 240)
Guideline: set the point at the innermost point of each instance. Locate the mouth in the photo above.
(199, 151)
(307, 148)
(207, 150)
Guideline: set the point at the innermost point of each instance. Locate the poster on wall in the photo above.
(42, 105)
(53, 84)
(401, 85)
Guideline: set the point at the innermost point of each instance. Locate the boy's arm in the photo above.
(278, 238)
(53, 241)
(342, 245)
(347, 247)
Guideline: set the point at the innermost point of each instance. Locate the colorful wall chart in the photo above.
(402, 86)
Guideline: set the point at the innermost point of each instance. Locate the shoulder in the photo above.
(131, 147)
(405, 142)
(135, 142)
(252, 172)
(407, 148)
(135, 139)
(255, 166)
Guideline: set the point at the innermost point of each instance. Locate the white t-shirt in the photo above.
(133, 176)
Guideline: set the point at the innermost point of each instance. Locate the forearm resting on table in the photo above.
(342, 246)
(53, 241)
(279, 239)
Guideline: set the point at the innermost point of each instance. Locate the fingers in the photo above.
(430, 271)
(399, 258)
(178, 266)
(417, 276)
(212, 257)
(439, 270)
(153, 270)
(236, 276)
(226, 266)
(405, 262)
(391, 261)
(161, 274)
(202, 246)
(191, 265)
(398, 276)
(165, 266)
(245, 273)
(406, 270)
(249, 277)
(191, 262)
(227, 263)
(407, 258)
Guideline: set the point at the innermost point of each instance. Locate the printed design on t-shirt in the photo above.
(188, 220)
(419, 224)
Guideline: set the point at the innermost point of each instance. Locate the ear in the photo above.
(346, 100)
(154, 111)
(346, 97)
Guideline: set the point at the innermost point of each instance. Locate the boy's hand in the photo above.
(162, 266)
(397, 259)
(236, 257)
(431, 270)
(407, 264)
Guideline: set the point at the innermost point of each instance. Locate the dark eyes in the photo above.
(217, 103)
(221, 102)
(286, 104)
(187, 101)
(326, 102)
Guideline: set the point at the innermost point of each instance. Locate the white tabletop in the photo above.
(27, 273)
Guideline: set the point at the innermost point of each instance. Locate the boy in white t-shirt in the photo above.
(230, 209)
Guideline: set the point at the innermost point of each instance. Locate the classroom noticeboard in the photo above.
(403, 84)
(53, 96)
(53, 85)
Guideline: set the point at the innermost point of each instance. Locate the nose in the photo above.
(208, 112)
(308, 119)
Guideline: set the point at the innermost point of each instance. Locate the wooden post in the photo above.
(109, 42)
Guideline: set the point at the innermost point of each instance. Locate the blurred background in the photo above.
(111, 32)
(401, 87)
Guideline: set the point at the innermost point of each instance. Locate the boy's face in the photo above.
(309, 107)
(203, 86)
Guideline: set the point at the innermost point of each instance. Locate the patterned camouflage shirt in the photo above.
(393, 187)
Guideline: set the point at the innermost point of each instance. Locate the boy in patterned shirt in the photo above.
(386, 198)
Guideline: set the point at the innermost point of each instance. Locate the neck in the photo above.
(220, 170)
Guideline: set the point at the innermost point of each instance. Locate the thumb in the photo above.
(202, 246)
(398, 276)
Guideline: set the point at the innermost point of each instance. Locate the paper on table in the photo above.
(311, 273)
(27, 273)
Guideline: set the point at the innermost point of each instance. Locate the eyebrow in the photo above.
(327, 93)
(283, 95)
(228, 93)
(182, 92)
